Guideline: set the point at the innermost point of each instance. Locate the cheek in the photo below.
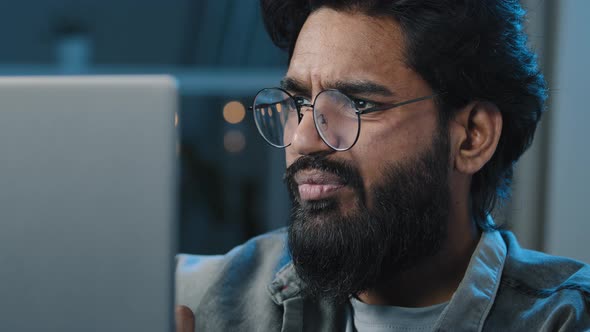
(289, 156)
(389, 142)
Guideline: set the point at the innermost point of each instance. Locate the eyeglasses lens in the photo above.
(336, 119)
(275, 114)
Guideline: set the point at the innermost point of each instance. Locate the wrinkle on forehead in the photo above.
(336, 45)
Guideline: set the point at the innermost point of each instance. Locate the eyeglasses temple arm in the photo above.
(388, 106)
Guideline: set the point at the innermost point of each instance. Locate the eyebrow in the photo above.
(354, 87)
(295, 86)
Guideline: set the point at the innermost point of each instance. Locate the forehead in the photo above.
(337, 45)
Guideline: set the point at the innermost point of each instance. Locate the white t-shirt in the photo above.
(362, 317)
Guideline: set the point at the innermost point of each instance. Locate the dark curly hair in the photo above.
(471, 50)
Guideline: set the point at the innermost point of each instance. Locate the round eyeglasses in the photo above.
(336, 116)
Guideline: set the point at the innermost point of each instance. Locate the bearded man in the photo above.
(401, 123)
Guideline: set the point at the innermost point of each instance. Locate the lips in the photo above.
(317, 185)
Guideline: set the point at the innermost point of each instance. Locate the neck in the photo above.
(435, 279)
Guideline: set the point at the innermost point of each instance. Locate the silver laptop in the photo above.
(87, 203)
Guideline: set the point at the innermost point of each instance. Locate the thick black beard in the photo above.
(337, 256)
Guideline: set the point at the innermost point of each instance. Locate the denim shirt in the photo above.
(505, 288)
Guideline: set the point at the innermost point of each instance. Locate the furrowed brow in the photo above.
(356, 87)
(362, 87)
(294, 86)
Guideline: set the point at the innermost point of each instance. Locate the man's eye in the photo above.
(362, 104)
(302, 101)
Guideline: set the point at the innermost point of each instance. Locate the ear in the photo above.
(475, 133)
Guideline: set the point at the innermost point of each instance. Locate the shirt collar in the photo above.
(471, 303)
(285, 285)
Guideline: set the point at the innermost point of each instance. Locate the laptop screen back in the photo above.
(87, 203)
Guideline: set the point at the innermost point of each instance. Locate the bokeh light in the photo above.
(234, 141)
(234, 112)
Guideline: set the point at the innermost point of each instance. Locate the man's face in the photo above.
(361, 215)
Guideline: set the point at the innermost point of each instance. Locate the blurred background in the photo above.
(231, 180)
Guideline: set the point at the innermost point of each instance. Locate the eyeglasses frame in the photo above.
(358, 112)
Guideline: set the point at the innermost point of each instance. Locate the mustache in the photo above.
(345, 170)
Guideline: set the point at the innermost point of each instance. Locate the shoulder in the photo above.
(542, 272)
(544, 290)
(252, 264)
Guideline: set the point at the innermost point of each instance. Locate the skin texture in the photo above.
(338, 46)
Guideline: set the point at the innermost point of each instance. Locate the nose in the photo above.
(306, 139)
